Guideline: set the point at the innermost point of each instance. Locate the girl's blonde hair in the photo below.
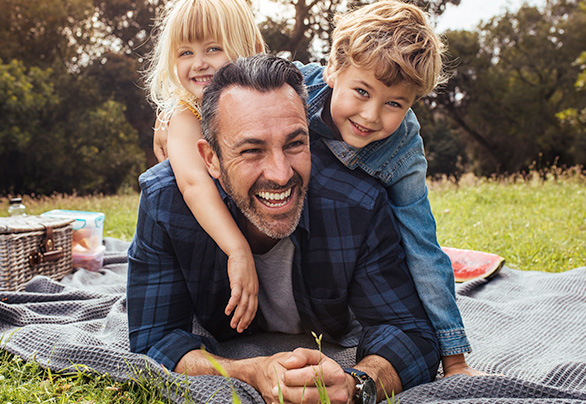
(392, 38)
(229, 22)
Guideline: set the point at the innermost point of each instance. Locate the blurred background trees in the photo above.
(74, 117)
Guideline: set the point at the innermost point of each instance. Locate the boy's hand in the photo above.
(244, 287)
(456, 364)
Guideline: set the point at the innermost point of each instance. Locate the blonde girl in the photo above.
(193, 39)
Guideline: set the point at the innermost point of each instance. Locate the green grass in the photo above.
(536, 223)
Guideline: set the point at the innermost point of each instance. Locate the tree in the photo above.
(511, 79)
(58, 135)
(305, 34)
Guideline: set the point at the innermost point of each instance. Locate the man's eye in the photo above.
(250, 151)
(297, 143)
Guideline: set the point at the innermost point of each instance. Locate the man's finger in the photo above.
(303, 357)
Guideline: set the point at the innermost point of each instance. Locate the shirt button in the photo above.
(344, 154)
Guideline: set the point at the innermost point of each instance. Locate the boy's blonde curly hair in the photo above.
(392, 38)
(229, 22)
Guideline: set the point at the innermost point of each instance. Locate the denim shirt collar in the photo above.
(351, 156)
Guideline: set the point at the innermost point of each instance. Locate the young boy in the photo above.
(384, 57)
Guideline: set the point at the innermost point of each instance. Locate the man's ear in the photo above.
(209, 158)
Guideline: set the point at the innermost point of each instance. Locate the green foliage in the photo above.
(25, 95)
(511, 79)
(59, 135)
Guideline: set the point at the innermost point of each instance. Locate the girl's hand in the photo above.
(244, 287)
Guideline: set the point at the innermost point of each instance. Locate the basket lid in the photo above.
(20, 224)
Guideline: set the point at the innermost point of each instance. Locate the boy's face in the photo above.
(363, 108)
(197, 62)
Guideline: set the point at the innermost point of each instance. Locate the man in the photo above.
(327, 252)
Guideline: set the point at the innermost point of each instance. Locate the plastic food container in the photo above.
(90, 260)
(88, 228)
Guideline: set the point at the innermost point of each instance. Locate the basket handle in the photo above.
(47, 251)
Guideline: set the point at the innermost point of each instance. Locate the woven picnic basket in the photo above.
(33, 245)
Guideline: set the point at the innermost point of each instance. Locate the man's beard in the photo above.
(271, 228)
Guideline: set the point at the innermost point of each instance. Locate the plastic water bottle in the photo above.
(16, 208)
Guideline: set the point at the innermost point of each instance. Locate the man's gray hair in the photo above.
(262, 73)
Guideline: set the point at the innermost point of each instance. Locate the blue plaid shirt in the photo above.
(348, 265)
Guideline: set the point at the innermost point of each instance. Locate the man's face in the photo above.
(266, 162)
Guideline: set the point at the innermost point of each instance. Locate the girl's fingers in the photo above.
(234, 300)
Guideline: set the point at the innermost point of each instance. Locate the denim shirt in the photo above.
(399, 163)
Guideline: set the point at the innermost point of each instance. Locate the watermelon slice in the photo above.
(469, 265)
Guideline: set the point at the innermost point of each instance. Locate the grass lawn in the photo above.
(536, 223)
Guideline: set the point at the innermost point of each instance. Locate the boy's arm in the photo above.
(201, 196)
(429, 265)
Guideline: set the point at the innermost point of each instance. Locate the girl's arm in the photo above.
(160, 140)
(204, 201)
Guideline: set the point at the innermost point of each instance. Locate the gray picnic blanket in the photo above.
(528, 330)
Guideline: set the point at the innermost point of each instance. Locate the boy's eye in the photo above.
(362, 92)
(394, 104)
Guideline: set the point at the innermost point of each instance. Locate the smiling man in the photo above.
(326, 247)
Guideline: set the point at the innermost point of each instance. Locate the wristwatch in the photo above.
(365, 387)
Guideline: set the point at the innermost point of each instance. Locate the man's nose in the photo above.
(278, 168)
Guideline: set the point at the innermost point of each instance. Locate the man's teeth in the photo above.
(280, 198)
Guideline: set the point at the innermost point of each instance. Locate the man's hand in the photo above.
(304, 368)
(244, 290)
(456, 364)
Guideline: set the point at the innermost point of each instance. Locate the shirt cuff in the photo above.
(415, 357)
(453, 342)
(171, 348)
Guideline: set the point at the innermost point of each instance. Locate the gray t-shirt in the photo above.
(275, 295)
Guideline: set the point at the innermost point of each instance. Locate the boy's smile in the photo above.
(364, 109)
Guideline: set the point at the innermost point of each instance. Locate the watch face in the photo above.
(369, 392)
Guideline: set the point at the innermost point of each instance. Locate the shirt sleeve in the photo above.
(429, 265)
(382, 296)
(158, 302)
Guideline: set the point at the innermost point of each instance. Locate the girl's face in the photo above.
(197, 62)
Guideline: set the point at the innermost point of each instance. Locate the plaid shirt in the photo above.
(348, 265)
